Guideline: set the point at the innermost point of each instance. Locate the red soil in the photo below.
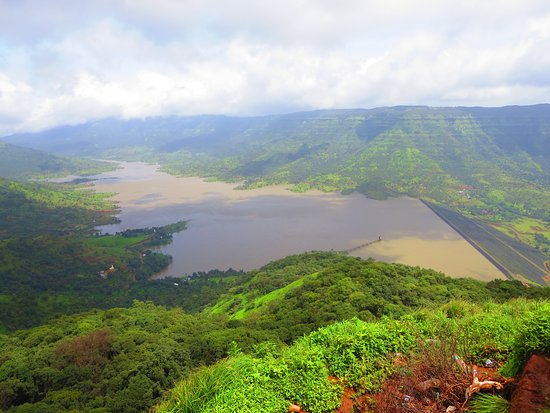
(347, 401)
(402, 394)
(408, 393)
(532, 393)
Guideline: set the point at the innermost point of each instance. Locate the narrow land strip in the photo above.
(500, 251)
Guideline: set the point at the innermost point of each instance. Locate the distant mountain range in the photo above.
(484, 161)
(511, 129)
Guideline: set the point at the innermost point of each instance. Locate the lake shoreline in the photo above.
(246, 229)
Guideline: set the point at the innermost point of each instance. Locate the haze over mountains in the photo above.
(420, 151)
(163, 286)
(19, 162)
(512, 128)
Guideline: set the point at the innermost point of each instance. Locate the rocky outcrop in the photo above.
(532, 393)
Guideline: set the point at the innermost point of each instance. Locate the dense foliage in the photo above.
(298, 294)
(51, 261)
(47, 276)
(356, 354)
(30, 208)
(114, 360)
(121, 360)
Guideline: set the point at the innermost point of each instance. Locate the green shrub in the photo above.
(198, 389)
(533, 336)
(489, 403)
(360, 353)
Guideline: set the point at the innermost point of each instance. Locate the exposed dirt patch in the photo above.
(532, 393)
(421, 387)
(347, 401)
(432, 382)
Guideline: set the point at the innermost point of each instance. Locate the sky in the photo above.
(71, 61)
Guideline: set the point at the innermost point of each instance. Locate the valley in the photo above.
(274, 206)
(243, 229)
(283, 278)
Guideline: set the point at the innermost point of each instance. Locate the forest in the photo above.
(124, 359)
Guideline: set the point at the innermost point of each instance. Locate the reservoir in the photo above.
(245, 229)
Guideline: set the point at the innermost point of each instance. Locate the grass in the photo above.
(361, 356)
(489, 403)
(116, 241)
(224, 306)
(6, 298)
(199, 388)
(113, 245)
(269, 297)
(248, 305)
(524, 229)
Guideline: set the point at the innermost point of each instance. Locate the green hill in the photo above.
(122, 360)
(50, 259)
(33, 208)
(359, 357)
(19, 162)
(300, 293)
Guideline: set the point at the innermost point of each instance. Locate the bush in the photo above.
(533, 336)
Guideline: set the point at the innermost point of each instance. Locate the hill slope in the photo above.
(121, 360)
(19, 162)
(359, 357)
(297, 294)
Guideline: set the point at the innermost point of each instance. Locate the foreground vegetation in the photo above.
(316, 369)
(122, 360)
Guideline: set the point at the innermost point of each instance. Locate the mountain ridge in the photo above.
(17, 162)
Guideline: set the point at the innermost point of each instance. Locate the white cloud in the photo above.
(138, 58)
(541, 26)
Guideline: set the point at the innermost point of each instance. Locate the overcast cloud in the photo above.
(69, 61)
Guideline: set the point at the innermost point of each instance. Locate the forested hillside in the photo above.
(32, 208)
(122, 360)
(411, 364)
(489, 163)
(19, 162)
(51, 259)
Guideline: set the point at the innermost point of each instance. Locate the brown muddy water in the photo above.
(246, 229)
